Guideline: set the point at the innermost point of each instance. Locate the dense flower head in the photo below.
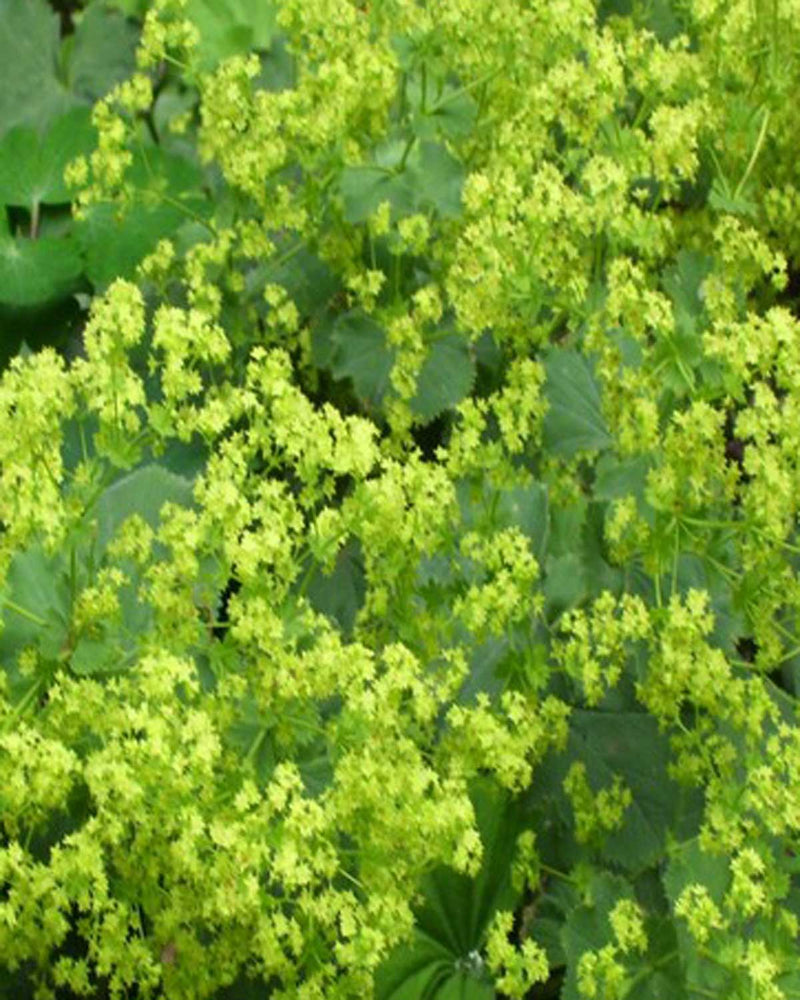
(448, 440)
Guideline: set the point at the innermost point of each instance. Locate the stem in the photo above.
(35, 213)
(256, 745)
(788, 656)
(673, 586)
(464, 90)
(23, 704)
(409, 146)
(23, 612)
(352, 878)
(287, 256)
(175, 203)
(556, 873)
(739, 526)
(396, 276)
(754, 155)
(648, 970)
(701, 522)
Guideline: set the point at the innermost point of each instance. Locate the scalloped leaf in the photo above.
(101, 52)
(574, 421)
(114, 242)
(33, 272)
(37, 614)
(432, 178)
(689, 865)
(447, 376)
(362, 354)
(30, 90)
(587, 927)
(144, 492)
(443, 960)
(231, 27)
(32, 165)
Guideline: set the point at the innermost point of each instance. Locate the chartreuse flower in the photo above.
(516, 969)
(595, 814)
(253, 789)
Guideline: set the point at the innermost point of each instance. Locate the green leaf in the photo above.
(574, 421)
(527, 508)
(101, 53)
(35, 612)
(690, 865)
(444, 958)
(464, 986)
(436, 177)
(115, 246)
(600, 574)
(587, 927)
(566, 525)
(168, 193)
(452, 116)
(658, 16)
(130, 8)
(37, 271)
(414, 971)
(30, 90)
(722, 200)
(619, 477)
(93, 657)
(695, 571)
(656, 975)
(432, 178)
(564, 583)
(575, 566)
(679, 354)
(364, 188)
(32, 166)
(362, 354)
(309, 281)
(629, 744)
(484, 670)
(485, 507)
(662, 976)
(683, 282)
(250, 734)
(144, 492)
(340, 594)
(446, 377)
(231, 27)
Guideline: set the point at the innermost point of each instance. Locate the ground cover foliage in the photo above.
(399, 436)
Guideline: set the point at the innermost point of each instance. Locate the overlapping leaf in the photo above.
(443, 960)
(574, 421)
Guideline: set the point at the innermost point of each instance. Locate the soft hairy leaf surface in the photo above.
(32, 164)
(574, 421)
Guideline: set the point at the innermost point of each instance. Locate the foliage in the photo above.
(398, 500)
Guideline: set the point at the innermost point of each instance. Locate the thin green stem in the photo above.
(409, 146)
(256, 745)
(754, 155)
(288, 254)
(557, 873)
(24, 703)
(740, 526)
(35, 214)
(464, 90)
(673, 586)
(23, 612)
